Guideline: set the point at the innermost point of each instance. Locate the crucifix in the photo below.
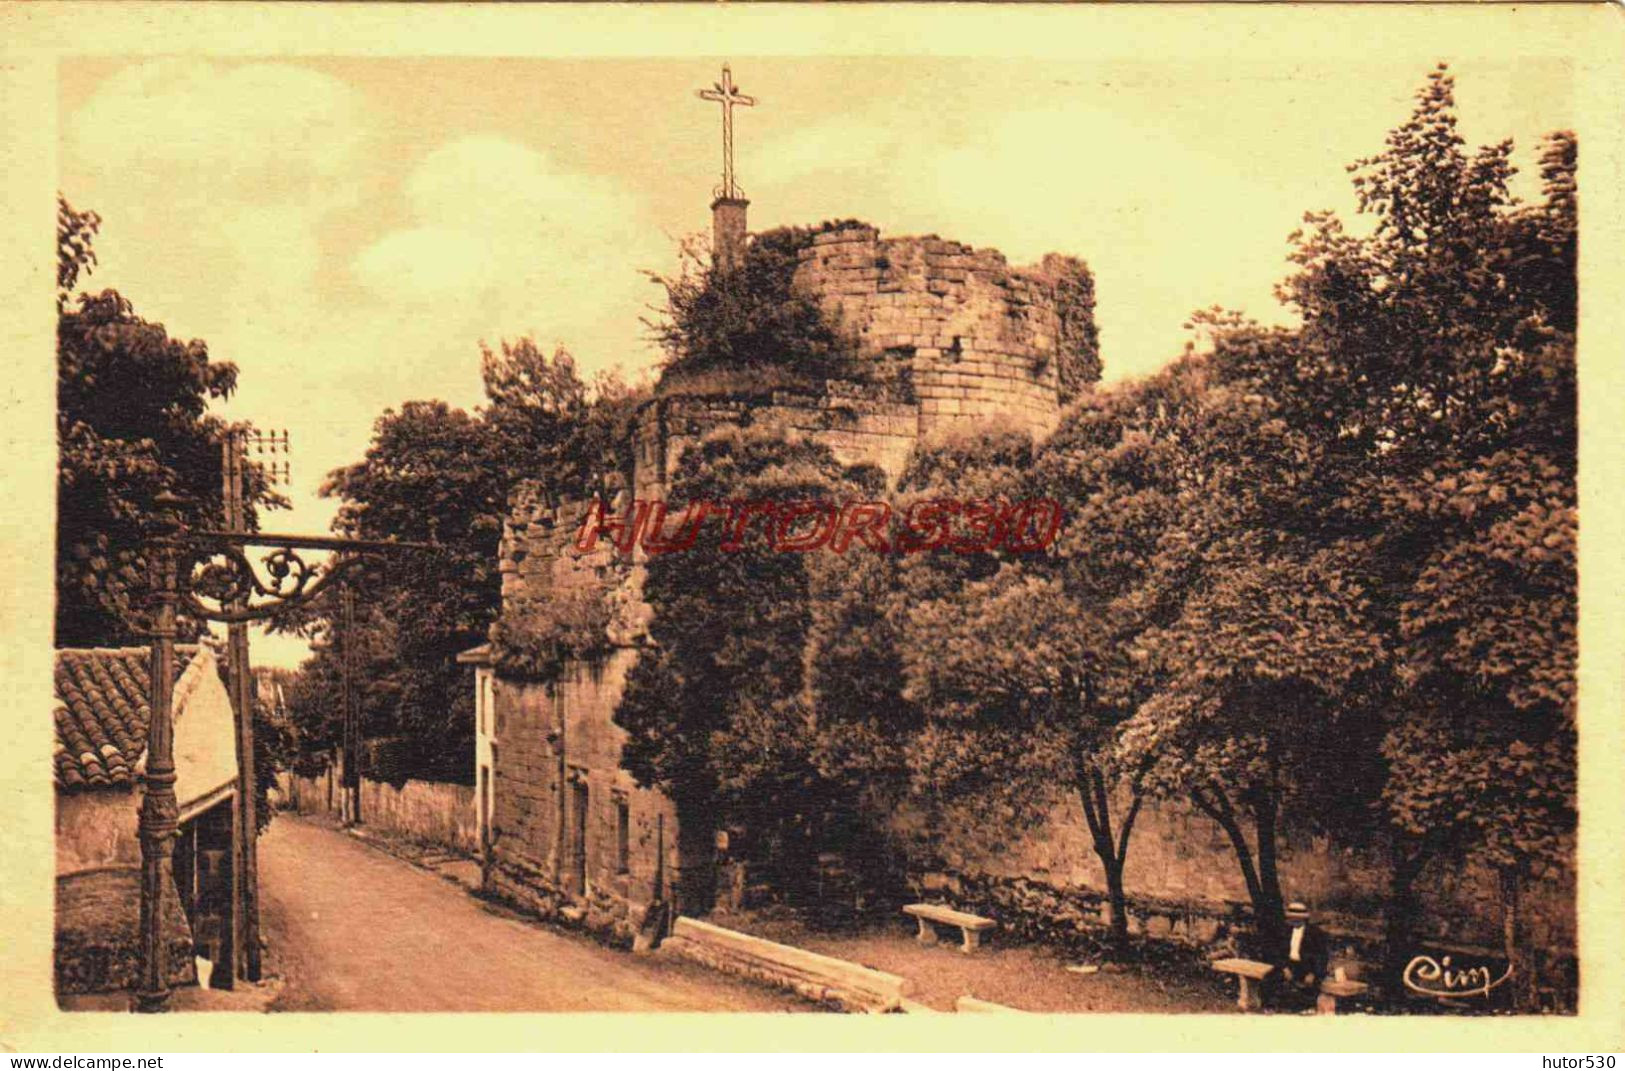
(726, 94)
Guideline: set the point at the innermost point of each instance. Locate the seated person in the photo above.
(1301, 964)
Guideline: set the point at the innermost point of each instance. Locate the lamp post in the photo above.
(160, 814)
(235, 594)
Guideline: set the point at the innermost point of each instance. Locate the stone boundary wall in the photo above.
(1184, 889)
(1180, 864)
(428, 811)
(821, 978)
(979, 337)
(313, 795)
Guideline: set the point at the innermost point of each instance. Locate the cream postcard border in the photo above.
(34, 37)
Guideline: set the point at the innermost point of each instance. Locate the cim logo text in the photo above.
(1436, 978)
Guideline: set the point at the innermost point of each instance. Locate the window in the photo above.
(623, 835)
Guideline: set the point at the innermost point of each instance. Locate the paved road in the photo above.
(353, 929)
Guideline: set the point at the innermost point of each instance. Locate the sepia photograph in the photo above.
(744, 525)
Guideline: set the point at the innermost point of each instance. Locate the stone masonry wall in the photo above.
(1182, 880)
(556, 747)
(428, 811)
(977, 337)
(860, 424)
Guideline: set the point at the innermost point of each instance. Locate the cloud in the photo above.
(422, 265)
(216, 183)
(499, 229)
(1155, 216)
(256, 133)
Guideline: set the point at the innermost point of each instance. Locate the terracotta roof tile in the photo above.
(101, 713)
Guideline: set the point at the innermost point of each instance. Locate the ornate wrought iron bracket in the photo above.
(219, 582)
(209, 574)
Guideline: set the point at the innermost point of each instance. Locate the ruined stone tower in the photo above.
(941, 333)
(975, 337)
(937, 334)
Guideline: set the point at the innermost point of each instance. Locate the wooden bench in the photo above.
(970, 926)
(1334, 989)
(1251, 973)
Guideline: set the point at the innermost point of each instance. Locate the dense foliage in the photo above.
(436, 474)
(750, 318)
(132, 422)
(715, 709)
(1321, 576)
(1384, 608)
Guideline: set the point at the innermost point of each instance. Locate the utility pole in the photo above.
(350, 805)
(240, 682)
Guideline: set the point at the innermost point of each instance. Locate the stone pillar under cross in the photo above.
(728, 232)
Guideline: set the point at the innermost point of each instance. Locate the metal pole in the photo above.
(727, 149)
(159, 819)
(350, 805)
(242, 694)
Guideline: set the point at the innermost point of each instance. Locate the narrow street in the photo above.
(353, 929)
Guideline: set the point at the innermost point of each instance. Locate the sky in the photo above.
(349, 230)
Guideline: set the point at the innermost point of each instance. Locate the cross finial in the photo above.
(726, 94)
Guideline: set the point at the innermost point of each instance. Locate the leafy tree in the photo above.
(441, 475)
(714, 708)
(273, 752)
(432, 474)
(314, 694)
(871, 687)
(1224, 647)
(555, 427)
(1119, 566)
(75, 235)
(132, 422)
(749, 318)
(854, 697)
(1431, 395)
(1259, 712)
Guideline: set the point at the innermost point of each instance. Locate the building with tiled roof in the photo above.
(101, 716)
